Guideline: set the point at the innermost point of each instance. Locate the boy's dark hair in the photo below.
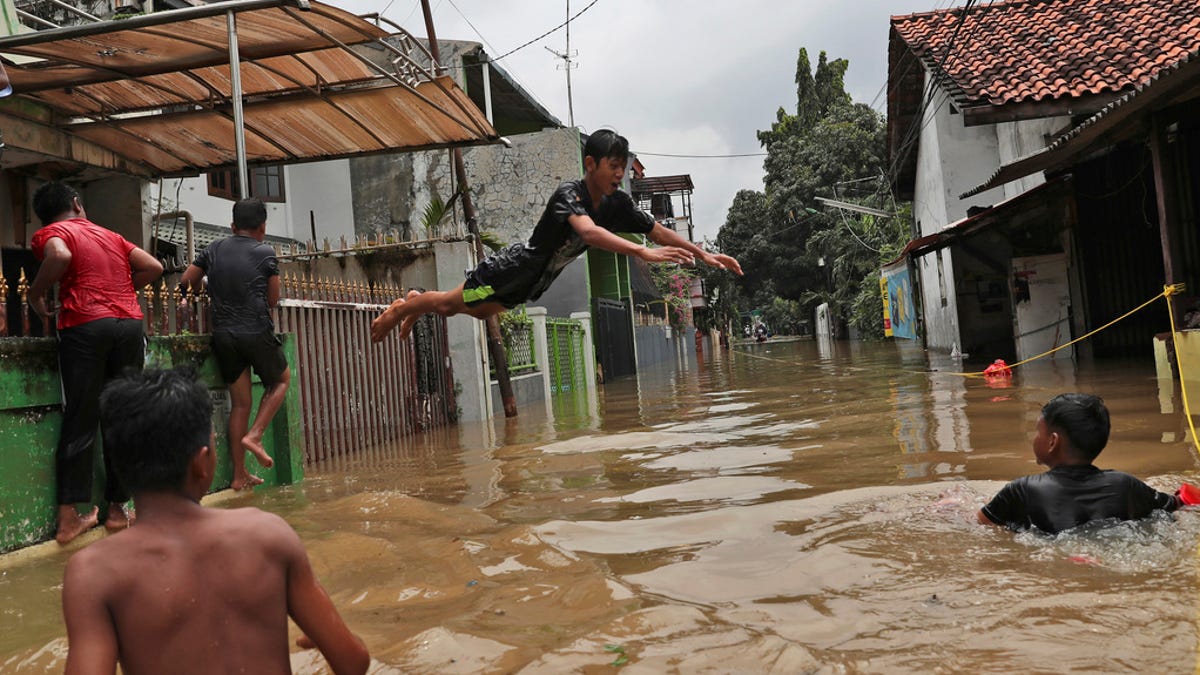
(153, 423)
(1083, 418)
(249, 214)
(53, 199)
(606, 143)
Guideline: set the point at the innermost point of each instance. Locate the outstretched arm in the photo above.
(594, 235)
(91, 637)
(312, 610)
(668, 237)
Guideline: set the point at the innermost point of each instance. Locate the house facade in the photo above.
(1044, 146)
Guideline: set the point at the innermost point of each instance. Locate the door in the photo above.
(1041, 306)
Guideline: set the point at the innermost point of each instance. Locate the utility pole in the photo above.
(494, 340)
(568, 64)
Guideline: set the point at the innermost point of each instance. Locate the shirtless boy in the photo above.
(580, 213)
(189, 589)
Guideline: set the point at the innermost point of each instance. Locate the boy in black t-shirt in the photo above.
(1071, 432)
(243, 282)
(580, 214)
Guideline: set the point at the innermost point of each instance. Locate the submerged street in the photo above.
(784, 507)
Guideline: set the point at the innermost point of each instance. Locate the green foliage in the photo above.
(511, 319)
(674, 284)
(491, 240)
(433, 215)
(832, 147)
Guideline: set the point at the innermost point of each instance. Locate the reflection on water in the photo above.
(787, 508)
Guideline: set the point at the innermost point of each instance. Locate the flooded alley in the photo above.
(784, 507)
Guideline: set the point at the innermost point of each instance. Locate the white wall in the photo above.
(1021, 139)
(323, 190)
(952, 159)
(320, 187)
(191, 195)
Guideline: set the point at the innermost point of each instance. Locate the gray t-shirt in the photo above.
(237, 269)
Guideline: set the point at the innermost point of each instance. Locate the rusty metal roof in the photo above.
(660, 184)
(318, 83)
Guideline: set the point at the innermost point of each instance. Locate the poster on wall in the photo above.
(901, 313)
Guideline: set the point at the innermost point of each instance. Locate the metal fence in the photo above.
(355, 396)
(565, 354)
(517, 331)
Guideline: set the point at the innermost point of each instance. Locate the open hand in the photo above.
(724, 262)
(668, 254)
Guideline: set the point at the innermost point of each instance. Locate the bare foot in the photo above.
(244, 482)
(253, 444)
(386, 321)
(118, 518)
(72, 527)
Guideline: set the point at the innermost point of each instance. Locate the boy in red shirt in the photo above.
(99, 335)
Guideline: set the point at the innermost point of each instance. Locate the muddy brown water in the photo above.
(787, 507)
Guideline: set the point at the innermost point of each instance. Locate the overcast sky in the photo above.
(674, 76)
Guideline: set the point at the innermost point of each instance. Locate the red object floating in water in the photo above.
(998, 369)
(1188, 494)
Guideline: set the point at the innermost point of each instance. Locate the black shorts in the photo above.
(262, 351)
(509, 276)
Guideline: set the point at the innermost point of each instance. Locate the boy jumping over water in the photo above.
(189, 589)
(580, 214)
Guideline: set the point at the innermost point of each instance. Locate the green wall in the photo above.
(30, 415)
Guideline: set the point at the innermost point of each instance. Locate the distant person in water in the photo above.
(243, 282)
(189, 589)
(580, 213)
(1071, 432)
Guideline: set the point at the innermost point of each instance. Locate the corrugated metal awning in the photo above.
(156, 90)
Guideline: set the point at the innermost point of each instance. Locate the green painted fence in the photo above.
(30, 415)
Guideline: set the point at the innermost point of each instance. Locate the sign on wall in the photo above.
(899, 310)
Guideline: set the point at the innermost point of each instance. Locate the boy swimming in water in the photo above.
(580, 214)
(1071, 432)
(189, 589)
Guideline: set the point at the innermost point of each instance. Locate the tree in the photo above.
(788, 249)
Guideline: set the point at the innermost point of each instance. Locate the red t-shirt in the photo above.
(98, 284)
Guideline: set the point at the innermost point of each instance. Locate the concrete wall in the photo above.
(528, 389)
(569, 293)
(319, 193)
(191, 195)
(654, 345)
(509, 186)
(1020, 139)
(323, 188)
(30, 417)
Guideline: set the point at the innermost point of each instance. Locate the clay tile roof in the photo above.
(1044, 50)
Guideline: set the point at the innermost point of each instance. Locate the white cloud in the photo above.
(675, 76)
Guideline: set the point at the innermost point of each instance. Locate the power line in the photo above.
(549, 32)
(464, 18)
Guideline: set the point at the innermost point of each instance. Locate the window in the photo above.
(266, 183)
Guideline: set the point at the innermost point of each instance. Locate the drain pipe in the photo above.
(189, 226)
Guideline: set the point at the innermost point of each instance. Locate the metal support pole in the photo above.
(496, 349)
(235, 80)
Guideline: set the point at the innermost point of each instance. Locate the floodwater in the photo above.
(786, 507)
